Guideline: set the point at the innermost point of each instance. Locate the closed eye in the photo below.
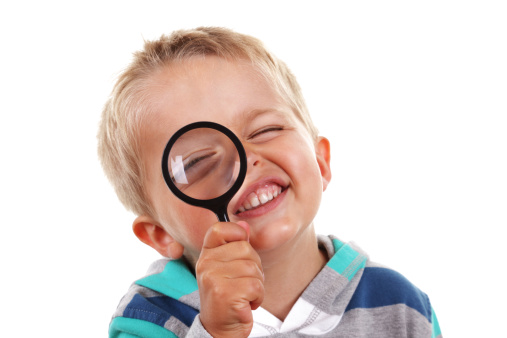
(266, 130)
(196, 160)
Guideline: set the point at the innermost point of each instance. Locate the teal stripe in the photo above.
(436, 327)
(175, 281)
(346, 261)
(127, 328)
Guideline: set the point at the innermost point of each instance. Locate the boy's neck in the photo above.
(288, 274)
(288, 271)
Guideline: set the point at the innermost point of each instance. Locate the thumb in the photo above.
(245, 226)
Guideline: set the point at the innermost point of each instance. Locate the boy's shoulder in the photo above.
(381, 286)
(164, 303)
(379, 300)
(378, 285)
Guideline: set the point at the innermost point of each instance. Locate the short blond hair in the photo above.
(118, 136)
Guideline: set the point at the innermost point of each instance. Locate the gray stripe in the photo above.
(326, 243)
(321, 292)
(397, 321)
(156, 267)
(387, 321)
(330, 291)
(192, 299)
(176, 327)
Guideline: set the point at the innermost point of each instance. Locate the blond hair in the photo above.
(118, 145)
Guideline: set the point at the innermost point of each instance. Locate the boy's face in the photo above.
(283, 160)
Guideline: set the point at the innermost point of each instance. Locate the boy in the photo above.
(266, 272)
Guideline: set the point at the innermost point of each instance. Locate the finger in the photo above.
(231, 251)
(252, 294)
(232, 303)
(236, 295)
(245, 226)
(222, 233)
(233, 270)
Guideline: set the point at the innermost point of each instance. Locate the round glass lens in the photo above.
(203, 163)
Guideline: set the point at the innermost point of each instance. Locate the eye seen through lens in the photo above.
(203, 163)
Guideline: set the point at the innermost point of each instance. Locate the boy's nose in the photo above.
(252, 157)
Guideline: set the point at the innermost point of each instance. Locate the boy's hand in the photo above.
(230, 278)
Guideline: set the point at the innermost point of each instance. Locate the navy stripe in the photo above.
(383, 287)
(158, 310)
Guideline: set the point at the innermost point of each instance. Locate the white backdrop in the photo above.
(413, 97)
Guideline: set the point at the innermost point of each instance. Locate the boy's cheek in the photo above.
(189, 225)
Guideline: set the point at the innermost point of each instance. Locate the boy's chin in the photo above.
(273, 236)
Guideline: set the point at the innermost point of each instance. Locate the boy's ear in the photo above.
(323, 153)
(151, 233)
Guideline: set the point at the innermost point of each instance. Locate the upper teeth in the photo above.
(260, 197)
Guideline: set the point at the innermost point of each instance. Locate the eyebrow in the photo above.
(251, 115)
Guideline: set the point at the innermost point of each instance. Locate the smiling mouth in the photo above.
(260, 197)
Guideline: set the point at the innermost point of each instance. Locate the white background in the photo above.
(413, 97)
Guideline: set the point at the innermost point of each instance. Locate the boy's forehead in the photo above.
(211, 88)
(198, 66)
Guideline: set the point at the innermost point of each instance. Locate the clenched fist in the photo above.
(230, 278)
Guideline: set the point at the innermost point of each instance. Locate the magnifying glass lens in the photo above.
(203, 163)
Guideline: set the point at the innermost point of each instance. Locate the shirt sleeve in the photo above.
(134, 328)
(197, 329)
(122, 327)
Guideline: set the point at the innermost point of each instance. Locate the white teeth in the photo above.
(260, 197)
(254, 201)
(263, 198)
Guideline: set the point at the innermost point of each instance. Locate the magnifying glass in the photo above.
(204, 164)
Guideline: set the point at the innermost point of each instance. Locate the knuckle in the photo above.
(200, 265)
(213, 234)
(216, 228)
(255, 286)
(220, 291)
(204, 275)
(251, 268)
(203, 278)
(244, 248)
(258, 285)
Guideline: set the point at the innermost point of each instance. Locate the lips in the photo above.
(259, 195)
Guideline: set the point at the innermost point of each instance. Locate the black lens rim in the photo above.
(219, 203)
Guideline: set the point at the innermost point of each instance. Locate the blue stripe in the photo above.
(383, 287)
(158, 310)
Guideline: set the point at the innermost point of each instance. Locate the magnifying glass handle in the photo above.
(222, 215)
